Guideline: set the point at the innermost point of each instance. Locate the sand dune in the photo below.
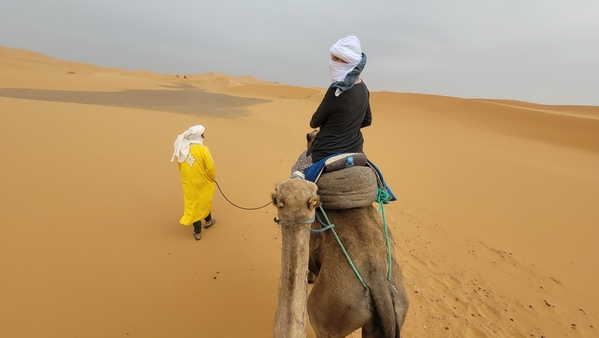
(495, 223)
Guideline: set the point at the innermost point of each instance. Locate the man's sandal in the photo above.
(209, 223)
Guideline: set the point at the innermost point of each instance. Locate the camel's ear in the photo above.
(314, 202)
(274, 201)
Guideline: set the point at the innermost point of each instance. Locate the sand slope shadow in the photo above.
(185, 99)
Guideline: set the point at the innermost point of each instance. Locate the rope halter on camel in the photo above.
(281, 222)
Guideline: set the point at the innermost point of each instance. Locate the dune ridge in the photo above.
(495, 222)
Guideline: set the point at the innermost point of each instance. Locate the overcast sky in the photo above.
(544, 51)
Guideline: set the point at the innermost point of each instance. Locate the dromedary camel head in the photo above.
(296, 201)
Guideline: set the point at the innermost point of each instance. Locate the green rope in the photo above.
(383, 198)
(351, 263)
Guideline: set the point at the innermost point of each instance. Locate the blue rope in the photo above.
(328, 226)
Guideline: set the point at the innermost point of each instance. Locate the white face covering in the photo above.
(349, 50)
(338, 70)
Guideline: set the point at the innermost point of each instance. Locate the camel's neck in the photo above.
(290, 318)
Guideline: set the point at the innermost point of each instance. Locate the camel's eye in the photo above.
(314, 202)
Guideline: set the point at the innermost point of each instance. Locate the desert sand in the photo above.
(496, 224)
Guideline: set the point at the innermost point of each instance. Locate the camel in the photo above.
(338, 303)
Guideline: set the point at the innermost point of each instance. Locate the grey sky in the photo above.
(544, 51)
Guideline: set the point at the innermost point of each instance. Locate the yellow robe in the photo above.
(198, 177)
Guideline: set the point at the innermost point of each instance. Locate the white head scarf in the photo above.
(193, 135)
(349, 50)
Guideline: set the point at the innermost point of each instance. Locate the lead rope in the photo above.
(330, 226)
(235, 205)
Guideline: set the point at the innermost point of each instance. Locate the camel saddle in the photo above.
(347, 182)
